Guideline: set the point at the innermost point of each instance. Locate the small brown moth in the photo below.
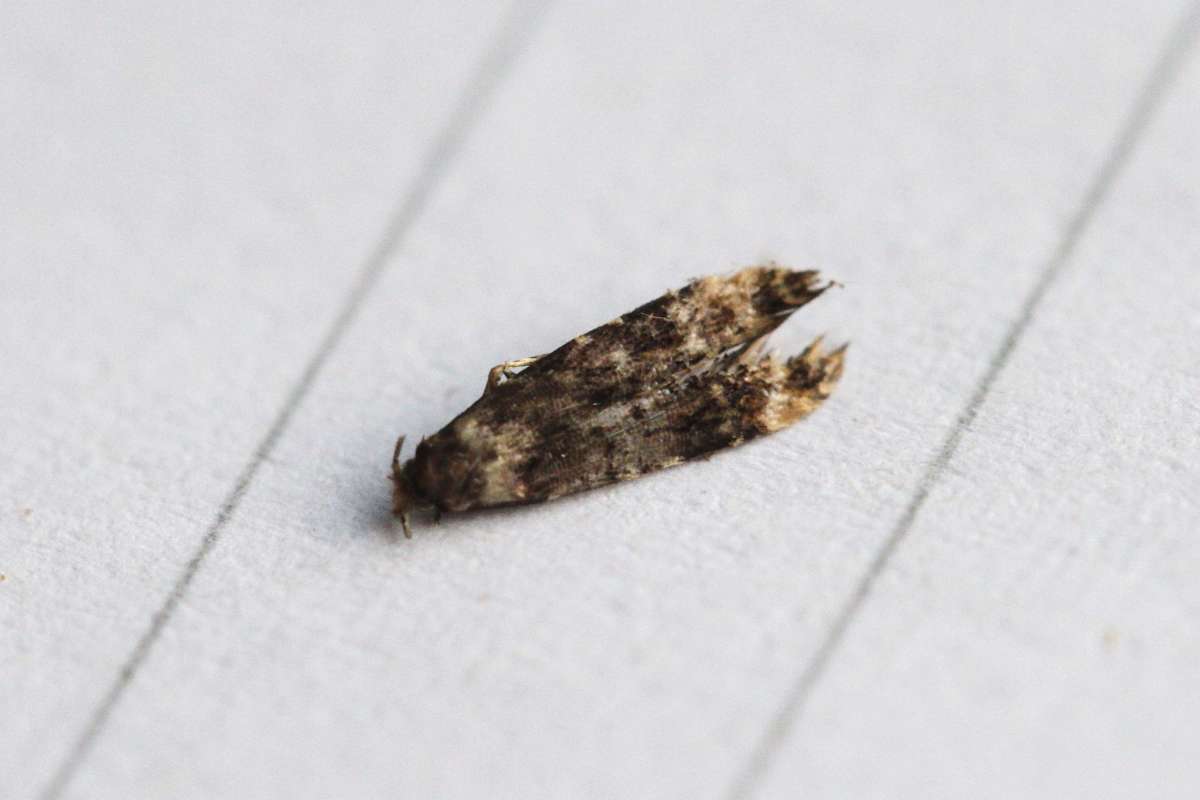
(680, 377)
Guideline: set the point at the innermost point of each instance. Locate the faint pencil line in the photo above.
(496, 64)
(1166, 68)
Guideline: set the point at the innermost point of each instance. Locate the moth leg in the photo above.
(504, 371)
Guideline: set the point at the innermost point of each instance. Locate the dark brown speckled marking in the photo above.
(674, 379)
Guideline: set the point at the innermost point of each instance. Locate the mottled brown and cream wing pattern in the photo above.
(733, 401)
(677, 378)
(672, 334)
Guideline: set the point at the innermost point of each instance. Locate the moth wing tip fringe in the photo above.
(799, 385)
(776, 290)
(816, 368)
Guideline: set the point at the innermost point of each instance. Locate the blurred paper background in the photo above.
(243, 247)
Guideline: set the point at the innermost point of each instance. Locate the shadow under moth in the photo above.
(678, 378)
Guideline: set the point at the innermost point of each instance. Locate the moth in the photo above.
(678, 378)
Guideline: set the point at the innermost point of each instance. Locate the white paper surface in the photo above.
(205, 595)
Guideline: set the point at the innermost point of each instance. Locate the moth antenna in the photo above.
(396, 455)
(402, 498)
(834, 363)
